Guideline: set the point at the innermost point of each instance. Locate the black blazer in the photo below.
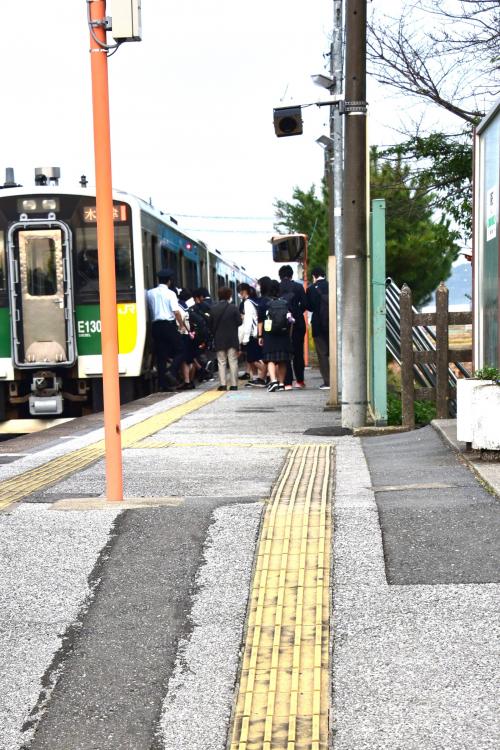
(225, 320)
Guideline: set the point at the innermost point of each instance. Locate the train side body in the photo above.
(50, 342)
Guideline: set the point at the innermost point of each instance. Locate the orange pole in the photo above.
(106, 255)
(306, 318)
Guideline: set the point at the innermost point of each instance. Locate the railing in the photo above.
(425, 355)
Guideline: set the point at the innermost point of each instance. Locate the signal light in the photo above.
(287, 121)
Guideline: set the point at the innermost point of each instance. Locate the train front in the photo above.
(50, 356)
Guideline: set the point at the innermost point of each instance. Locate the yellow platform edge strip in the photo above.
(33, 480)
(284, 687)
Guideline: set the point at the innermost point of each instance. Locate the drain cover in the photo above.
(328, 431)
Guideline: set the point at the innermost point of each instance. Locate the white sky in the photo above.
(191, 107)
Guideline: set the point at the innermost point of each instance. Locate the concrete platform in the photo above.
(487, 471)
(123, 627)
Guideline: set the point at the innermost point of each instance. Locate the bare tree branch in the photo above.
(453, 65)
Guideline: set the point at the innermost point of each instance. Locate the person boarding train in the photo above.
(165, 315)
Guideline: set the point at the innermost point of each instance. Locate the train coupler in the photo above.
(46, 397)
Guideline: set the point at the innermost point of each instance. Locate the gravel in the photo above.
(46, 559)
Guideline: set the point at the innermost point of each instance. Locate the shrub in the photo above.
(425, 411)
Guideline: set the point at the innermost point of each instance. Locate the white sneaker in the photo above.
(324, 387)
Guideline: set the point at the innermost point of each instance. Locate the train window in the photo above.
(87, 264)
(191, 274)
(3, 278)
(41, 266)
(154, 258)
(220, 281)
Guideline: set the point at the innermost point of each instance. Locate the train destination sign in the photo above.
(89, 213)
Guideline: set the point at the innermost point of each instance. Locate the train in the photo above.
(50, 343)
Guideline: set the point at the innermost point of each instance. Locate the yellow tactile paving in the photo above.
(155, 443)
(283, 695)
(53, 471)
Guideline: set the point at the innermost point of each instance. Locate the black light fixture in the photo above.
(287, 121)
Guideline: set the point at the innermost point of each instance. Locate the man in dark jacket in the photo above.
(225, 320)
(295, 295)
(317, 303)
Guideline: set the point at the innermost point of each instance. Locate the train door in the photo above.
(41, 296)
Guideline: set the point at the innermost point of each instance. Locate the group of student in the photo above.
(267, 325)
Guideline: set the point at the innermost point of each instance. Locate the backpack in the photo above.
(277, 317)
(324, 310)
(199, 326)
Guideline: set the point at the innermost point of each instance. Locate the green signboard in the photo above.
(5, 349)
(88, 329)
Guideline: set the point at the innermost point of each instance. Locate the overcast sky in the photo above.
(191, 107)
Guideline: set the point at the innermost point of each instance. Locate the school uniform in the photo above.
(277, 347)
(225, 321)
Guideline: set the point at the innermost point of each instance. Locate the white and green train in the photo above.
(50, 344)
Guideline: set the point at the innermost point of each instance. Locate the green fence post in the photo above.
(378, 323)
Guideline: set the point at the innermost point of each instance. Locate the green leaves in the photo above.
(443, 163)
(420, 249)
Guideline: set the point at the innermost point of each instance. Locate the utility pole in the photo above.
(106, 250)
(354, 363)
(334, 160)
(337, 167)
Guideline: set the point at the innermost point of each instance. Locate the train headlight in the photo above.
(28, 204)
(50, 204)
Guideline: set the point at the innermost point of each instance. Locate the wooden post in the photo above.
(442, 346)
(407, 388)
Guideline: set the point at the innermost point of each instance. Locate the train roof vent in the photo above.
(47, 175)
(10, 180)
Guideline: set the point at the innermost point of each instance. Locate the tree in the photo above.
(306, 214)
(447, 53)
(455, 65)
(420, 251)
(443, 163)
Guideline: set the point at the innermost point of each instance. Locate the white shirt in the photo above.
(162, 303)
(249, 325)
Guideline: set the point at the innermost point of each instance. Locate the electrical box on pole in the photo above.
(126, 20)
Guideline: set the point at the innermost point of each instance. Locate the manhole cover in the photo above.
(328, 431)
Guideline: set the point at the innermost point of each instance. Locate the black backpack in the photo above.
(198, 324)
(277, 312)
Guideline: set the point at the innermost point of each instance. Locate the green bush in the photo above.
(487, 373)
(425, 411)
(394, 414)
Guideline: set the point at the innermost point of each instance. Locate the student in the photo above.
(249, 335)
(317, 303)
(275, 320)
(225, 321)
(164, 313)
(188, 367)
(203, 299)
(295, 295)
